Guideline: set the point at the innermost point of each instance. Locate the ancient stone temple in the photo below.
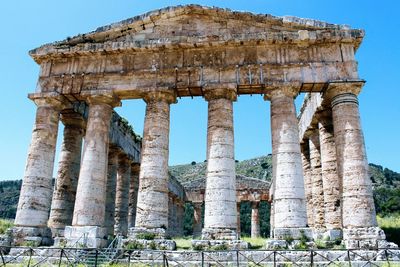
(320, 182)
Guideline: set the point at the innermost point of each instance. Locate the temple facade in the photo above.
(320, 183)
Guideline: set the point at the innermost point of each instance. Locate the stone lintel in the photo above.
(166, 95)
(221, 90)
(290, 89)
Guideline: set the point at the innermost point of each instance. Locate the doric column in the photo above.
(220, 215)
(289, 196)
(36, 192)
(359, 217)
(197, 208)
(152, 203)
(238, 229)
(317, 187)
(62, 205)
(122, 195)
(89, 211)
(255, 220)
(133, 193)
(305, 157)
(330, 178)
(111, 188)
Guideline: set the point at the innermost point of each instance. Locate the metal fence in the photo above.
(31, 257)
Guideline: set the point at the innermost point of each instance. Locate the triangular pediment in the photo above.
(194, 25)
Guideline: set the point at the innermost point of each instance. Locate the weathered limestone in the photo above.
(122, 195)
(317, 187)
(255, 220)
(197, 222)
(152, 203)
(62, 205)
(358, 209)
(289, 196)
(330, 178)
(305, 157)
(220, 212)
(89, 211)
(36, 192)
(133, 193)
(109, 222)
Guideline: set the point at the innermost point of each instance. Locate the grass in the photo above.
(391, 226)
(183, 243)
(4, 225)
(255, 243)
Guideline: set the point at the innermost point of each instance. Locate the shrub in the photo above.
(146, 236)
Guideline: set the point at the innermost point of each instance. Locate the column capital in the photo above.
(102, 97)
(56, 101)
(168, 96)
(135, 167)
(324, 115)
(340, 88)
(217, 91)
(71, 118)
(285, 89)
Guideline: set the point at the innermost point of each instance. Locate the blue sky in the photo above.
(28, 24)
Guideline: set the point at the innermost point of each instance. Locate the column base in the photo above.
(31, 236)
(366, 238)
(148, 238)
(219, 234)
(85, 236)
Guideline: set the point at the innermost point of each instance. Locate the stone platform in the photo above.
(383, 257)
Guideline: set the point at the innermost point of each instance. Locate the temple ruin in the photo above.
(320, 183)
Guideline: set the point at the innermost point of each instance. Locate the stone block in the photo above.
(218, 234)
(219, 245)
(146, 233)
(32, 236)
(292, 233)
(276, 244)
(333, 234)
(156, 244)
(86, 236)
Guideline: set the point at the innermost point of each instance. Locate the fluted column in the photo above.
(255, 220)
(62, 205)
(197, 225)
(36, 192)
(305, 157)
(358, 210)
(317, 187)
(220, 215)
(133, 193)
(122, 195)
(111, 188)
(238, 204)
(152, 204)
(289, 194)
(330, 178)
(89, 211)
